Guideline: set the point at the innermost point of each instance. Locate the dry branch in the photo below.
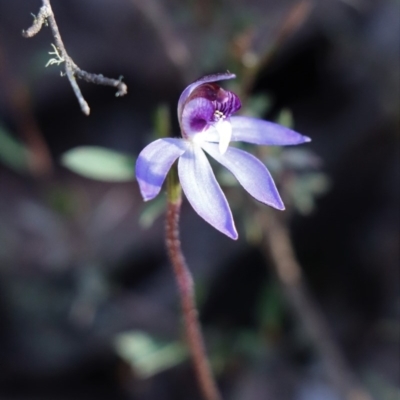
(46, 17)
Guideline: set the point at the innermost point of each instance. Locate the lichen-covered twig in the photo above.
(46, 17)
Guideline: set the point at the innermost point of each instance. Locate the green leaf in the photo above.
(12, 152)
(147, 355)
(100, 164)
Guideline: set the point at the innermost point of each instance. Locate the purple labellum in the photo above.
(207, 104)
(207, 126)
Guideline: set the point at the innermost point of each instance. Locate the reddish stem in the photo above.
(186, 291)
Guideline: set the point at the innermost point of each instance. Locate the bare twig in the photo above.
(279, 248)
(46, 16)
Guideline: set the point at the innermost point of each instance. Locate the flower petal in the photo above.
(258, 131)
(203, 191)
(205, 79)
(250, 172)
(154, 162)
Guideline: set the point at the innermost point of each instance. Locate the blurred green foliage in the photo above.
(12, 152)
(151, 211)
(271, 308)
(257, 105)
(306, 188)
(285, 118)
(100, 164)
(148, 355)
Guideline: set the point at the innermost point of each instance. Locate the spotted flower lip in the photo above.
(207, 126)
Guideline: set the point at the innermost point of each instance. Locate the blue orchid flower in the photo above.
(207, 126)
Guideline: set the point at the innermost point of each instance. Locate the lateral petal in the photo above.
(258, 131)
(154, 162)
(203, 191)
(250, 172)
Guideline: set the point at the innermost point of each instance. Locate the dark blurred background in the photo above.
(88, 306)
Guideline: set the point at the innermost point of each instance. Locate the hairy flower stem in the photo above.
(184, 282)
